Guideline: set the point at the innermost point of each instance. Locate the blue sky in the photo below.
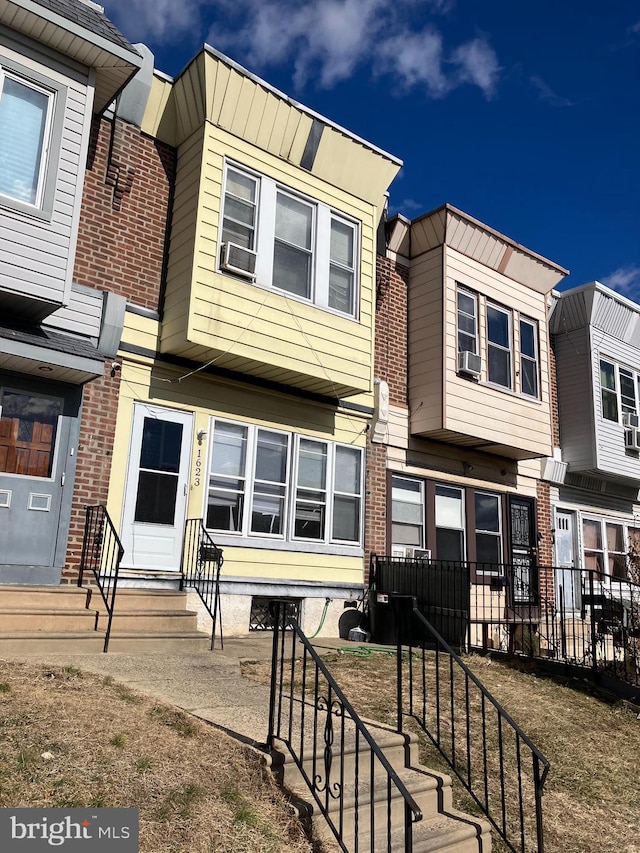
(524, 114)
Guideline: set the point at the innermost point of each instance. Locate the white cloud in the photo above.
(477, 64)
(547, 94)
(626, 280)
(326, 41)
(164, 20)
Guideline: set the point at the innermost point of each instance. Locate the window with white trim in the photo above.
(25, 129)
(266, 483)
(619, 391)
(499, 346)
(606, 544)
(302, 247)
(467, 309)
(488, 531)
(529, 359)
(407, 512)
(450, 523)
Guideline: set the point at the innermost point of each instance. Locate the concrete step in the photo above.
(32, 619)
(136, 621)
(143, 599)
(450, 832)
(45, 597)
(70, 642)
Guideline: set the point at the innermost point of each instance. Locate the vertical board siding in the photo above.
(425, 341)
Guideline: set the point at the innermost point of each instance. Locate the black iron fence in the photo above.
(500, 767)
(582, 618)
(201, 564)
(356, 788)
(101, 555)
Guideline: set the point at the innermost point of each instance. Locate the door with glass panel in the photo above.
(35, 425)
(157, 488)
(568, 579)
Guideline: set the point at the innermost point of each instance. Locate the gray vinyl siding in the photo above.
(82, 315)
(39, 263)
(611, 456)
(575, 399)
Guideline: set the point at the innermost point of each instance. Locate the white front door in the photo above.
(568, 578)
(157, 487)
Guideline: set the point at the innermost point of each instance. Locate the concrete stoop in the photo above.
(365, 810)
(74, 620)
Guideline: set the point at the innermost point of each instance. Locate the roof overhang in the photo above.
(49, 359)
(114, 63)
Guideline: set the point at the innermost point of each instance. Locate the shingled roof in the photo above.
(89, 17)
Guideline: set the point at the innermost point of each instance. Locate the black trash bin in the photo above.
(382, 620)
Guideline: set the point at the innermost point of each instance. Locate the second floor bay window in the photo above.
(288, 242)
(274, 485)
(499, 367)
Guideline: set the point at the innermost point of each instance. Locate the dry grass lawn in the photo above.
(591, 802)
(72, 739)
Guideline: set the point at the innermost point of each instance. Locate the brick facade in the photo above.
(121, 248)
(390, 365)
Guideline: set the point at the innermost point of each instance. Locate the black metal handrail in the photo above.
(102, 553)
(570, 616)
(502, 770)
(201, 564)
(362, 798)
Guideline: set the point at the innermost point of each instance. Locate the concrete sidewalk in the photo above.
(206, 684)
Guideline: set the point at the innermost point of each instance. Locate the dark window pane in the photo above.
(487, 512)
(527, 340)
(529, 378)
(487, 550)
(609, 405)
(224, 511)
(309, 521)
(500, 367)
(291, 270)
(156, 500)
(448, 544)
(498, 326)
(161, 443)
(346, 519)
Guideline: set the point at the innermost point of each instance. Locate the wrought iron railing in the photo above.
(500, 767)
(101, 554)
(201, 564)
(366, 805)
(581, 618)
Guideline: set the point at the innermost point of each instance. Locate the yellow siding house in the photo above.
(245, 402)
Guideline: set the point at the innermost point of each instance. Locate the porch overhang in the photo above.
(49, 355)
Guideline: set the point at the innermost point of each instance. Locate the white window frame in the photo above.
(603, 521)
(420, 502)
(535, 359)
(498, 535)
(244, 534)
(463, 511)
(621, 406)
(45, 167)
(508, 349)
(474, 296)
(323, 216)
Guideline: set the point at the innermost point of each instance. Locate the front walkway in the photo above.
(208, 685)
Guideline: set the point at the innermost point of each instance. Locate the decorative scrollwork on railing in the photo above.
(321, 781)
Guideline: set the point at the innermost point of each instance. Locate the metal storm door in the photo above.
(522, 526)
(157, 487)
(567, 577)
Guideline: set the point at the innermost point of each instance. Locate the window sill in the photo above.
(286, 295)
(536, 401)
(225, 540)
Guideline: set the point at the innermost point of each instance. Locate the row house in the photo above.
(61, 65)
(463, 423)
(594, 486)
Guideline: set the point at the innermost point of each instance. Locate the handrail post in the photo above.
(594, 662)
(275, 609)
(399, 703)
(538, 783)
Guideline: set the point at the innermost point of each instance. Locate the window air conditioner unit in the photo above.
(469, 363)
(631, 420)
(632, 439)
(238, 260)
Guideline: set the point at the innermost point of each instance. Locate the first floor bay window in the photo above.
(266, 483)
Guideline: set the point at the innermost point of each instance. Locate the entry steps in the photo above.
(36, 619)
